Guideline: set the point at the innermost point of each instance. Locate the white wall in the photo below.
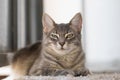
(102, 22)
(62, 10)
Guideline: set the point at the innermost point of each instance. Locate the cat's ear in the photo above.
(76, 22)
(48, 23)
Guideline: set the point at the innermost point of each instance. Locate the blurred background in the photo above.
(20, 25)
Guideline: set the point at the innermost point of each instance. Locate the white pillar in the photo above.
(21, 23)
(102, 22)
(4, 25)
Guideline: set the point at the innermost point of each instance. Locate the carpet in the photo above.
(94, 76)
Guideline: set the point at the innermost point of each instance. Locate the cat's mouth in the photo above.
(62, 49)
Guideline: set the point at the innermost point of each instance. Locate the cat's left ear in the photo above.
(76, 22)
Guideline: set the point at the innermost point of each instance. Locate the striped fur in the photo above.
(59, 53)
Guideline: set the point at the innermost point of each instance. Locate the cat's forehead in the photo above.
(62, 28)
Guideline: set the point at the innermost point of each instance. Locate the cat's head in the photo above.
(62, 38)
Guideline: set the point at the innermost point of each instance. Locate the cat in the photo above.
(59, 53)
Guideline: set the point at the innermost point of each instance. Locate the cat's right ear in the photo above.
(76, 22)
(48, 23)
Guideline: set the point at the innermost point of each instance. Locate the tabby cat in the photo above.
(59, 53)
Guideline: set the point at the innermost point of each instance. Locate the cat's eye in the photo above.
(54, 36)
(69, 36)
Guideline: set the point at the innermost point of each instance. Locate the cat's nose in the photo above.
(61, 43)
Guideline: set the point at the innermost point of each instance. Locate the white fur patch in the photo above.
(6, 71)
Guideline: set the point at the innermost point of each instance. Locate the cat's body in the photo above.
(59, 53)
(24, 59)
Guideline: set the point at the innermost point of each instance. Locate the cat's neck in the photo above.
(67, 60)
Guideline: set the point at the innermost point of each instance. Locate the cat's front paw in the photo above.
(64, 72)
(82, 72)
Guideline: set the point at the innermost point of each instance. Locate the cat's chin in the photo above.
(62, 51)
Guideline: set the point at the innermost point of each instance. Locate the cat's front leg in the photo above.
(64, 72)
(82, 72)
